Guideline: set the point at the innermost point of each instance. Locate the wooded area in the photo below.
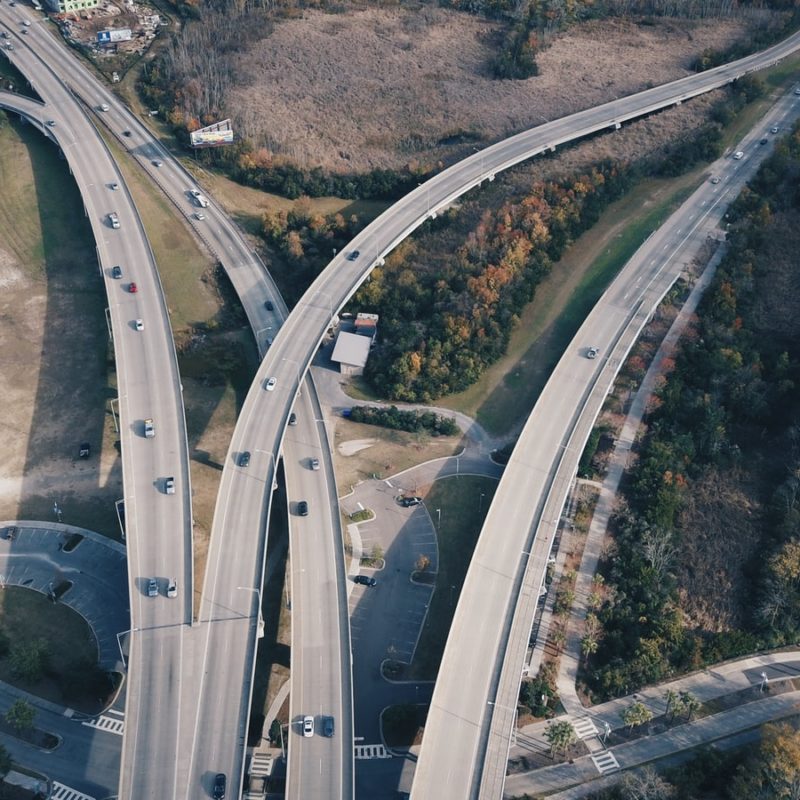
(729, 409)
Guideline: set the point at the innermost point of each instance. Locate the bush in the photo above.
(411, 421)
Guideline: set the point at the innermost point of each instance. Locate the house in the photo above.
(351, 352)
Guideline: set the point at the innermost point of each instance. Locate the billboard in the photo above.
(213, 135)
(114, 35)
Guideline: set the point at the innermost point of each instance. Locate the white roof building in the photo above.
(351, 352)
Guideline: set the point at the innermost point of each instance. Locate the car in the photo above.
(797, 91)
(113, 186)
(308, 725)
(592, 352)
(51, 123)
(24, 31)
(195, 192)
(220, 785)
(156, 163)
(126, 133)
(149, 429)
(327, 726)
(133, 288)
(116, 272)
(764, 141)
(268, 305)
(169, 485)
(315, 464)
(407, 502)
(199, 215)
(353, 255)
(172, 588)
(113, 220)
(138, 324)
(715, 179)
(270, 384)
(152, 588)
(738, 155)
(26, 23)
(774, 129)
(9, 46)
(365, 580)
(293, 418)
(244, 458)
(84, 450)
(302, 508)
(103, 107)
(11, 532)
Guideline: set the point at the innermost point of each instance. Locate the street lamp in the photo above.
(764, 682)
(516, 715)
(258, 335)
(258, 597)
(479, 150)
(297, 369)
(438, 518)
(480, 502)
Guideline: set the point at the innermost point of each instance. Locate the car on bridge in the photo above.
(302, 508)
(132, 287)
(152, 588)
(244, 458)
(308, 726)
(169, 485)
(220, 785)
(353, 255)
(592, 352)
(327, 726)
(270, 384)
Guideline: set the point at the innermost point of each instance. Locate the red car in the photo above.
(132, 288)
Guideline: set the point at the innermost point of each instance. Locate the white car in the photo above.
(139, 324)
(199, 215)
(169, 485)
(104, 107)
(172, 588)
(152, 588)
(51, 123)
(738, 155)
(592, 352)
(114, 186)
(270, 384)
(308, 726)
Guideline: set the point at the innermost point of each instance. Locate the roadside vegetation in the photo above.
(704, 560)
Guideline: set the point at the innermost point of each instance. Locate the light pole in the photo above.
(57, 510)
(108, 324)
(274, 467)
(480, 502)
(258, 597)
(258, 335)
(479, 150)
(117, 505)
(114, 415)
(438, 518)
(764, 682)
(297, 369)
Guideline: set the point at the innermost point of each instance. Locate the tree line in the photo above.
(730, 402)
(400, 420)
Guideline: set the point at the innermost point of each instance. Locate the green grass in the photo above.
(463, 511)
(69, 638)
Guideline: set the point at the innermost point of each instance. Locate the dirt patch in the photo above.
(355, 446)
(397, 86)
(390, 452)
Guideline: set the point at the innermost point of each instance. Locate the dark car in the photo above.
(354, 254)
(407, 502)
(244, 458)
(116, 272)
(220, 784)
(764, 141)
(84, 450)
(268, 305)
(327, 726)
(293, 418)
(126, 133)
(365, 580)
(302, 508)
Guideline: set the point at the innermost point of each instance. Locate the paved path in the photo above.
(96, 569)
(723, 679)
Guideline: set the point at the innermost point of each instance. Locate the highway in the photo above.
(243, 505)
(158, 525)
(474, 702)
(223, 643)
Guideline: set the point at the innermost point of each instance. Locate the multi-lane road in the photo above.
(224, 649)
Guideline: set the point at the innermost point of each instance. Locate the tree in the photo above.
(29, 660)
(645, 785)
(589, 645)
(671, 699)
(21, 715)
(559, 639)
(689, 704)
(423, 562)
(560, 735)
(636, 714)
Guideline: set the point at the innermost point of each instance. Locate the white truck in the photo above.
(199, 198)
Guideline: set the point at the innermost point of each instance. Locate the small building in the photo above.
(351, 352)
(367, 325)
(70, 6)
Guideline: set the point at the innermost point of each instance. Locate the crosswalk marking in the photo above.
(261, 764)
(363, 751)
(61, 792)
(584, 727)
(107, 724)
(605, 762)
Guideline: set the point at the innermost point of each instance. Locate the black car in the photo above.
(84, 450)
(764, 141)
(220, 784)
(327, 726)
(293, 418)
(268, 305)
(126, 133)
(244, 458)
(365, 580)
(116, 272)
(302, 508)
(354, 254)
(407, 502)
